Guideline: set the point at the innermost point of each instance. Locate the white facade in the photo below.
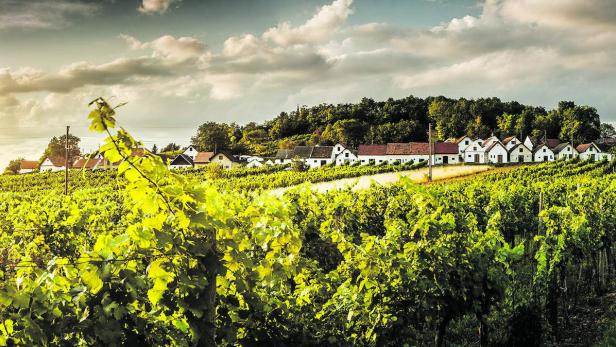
(520, 154)
(543, 153)
(496, 154)
(512, 142)
(593, 152)
(463, 143)
(568, 152)
(191, 152)
(48, 165)
(254, 163)
(475, 153)
(345, 157)
(528, 142)
(446, 158)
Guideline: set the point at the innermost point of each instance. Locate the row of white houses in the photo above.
(453, 151)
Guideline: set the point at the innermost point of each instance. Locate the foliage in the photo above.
(14, 166)
(56, 149)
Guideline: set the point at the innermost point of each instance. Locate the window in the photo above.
(346, 155)
(466, 142)
(521, 150)
(220, 157)
(543, 149)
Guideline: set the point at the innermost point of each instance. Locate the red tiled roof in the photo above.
(85, 163)
(203, 157)
(398, 149)
(28, 165)
(507, 139)
(56, 161)
(583, 147)
(422, 148)
(445, 148)
(372, 149)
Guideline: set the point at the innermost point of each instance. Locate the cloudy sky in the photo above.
(179, 63)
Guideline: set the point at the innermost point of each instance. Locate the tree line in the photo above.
(404, 120)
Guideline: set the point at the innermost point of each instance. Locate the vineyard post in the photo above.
(430, 152)
(66, 161)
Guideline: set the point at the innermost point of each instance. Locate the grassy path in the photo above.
(419, 176)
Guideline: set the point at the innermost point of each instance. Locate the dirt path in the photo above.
(420, 175)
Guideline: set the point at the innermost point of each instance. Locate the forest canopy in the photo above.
(402, 120)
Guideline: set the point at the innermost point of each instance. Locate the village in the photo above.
(462, 150)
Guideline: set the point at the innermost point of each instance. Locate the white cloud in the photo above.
(41, 14)
(154, 6)
(319, 28)
(169, 47)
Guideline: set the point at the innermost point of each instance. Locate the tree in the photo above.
(172, 147)
(13, 167)
(213, 136)
(477, 129)
(154, 149)
(506, 124)
(580, 123)
(607, 130)
(56, 149)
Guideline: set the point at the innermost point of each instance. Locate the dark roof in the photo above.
(322, 152)
(559, 148)
(398, 149)
(420, 148)
(539, 146)
(182, 159)
(303, 152)
(372, 149)
(605, 147)
(445, 148)
(518, 145)
(552, 143)
(492, 144)
(227, 154)
(284, 154)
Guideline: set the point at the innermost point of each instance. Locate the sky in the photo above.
(180, 63)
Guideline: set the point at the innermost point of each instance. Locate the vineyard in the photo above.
(146, 256)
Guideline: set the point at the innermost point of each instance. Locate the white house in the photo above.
(495, 152)
(50, 164)
(182, 161)
(520, 154)
(283, 156)
(543, 153)
(225, 159)
(372, 154)
(462, 143)
(255, 163)
(475, 153)
(564, 151)
(511, 142)
(346, 156)
(446, 153)
(85, 163)
(592, 151)
(27, 166)
(530, 143)
(191, 152)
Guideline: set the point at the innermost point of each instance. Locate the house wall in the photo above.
(591, 153)
(463, 144)
(543, 154)
(512, 143)
(374, 159)
(191, 152)
(492, 155)
(528, 143)
(451, 158)
(317, 162)
(224, 161)
(523, 156)
(345, 156)
(567, 153)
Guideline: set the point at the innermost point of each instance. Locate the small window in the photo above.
(543, 149)
(220, 157)
(346, 155)
(521, 150)
(466, 142)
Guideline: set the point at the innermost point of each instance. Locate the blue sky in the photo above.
(179, 63)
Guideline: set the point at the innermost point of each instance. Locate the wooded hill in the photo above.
(404, 120)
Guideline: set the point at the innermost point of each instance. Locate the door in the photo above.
(499, 158)
(446, 159)
(520, 159)
(476, 158)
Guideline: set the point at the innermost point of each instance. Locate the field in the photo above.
(153, 257)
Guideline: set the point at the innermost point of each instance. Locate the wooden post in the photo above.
(66, 162)
(430, 152)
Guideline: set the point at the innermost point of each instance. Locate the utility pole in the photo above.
(430, 152)
(66, 161)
